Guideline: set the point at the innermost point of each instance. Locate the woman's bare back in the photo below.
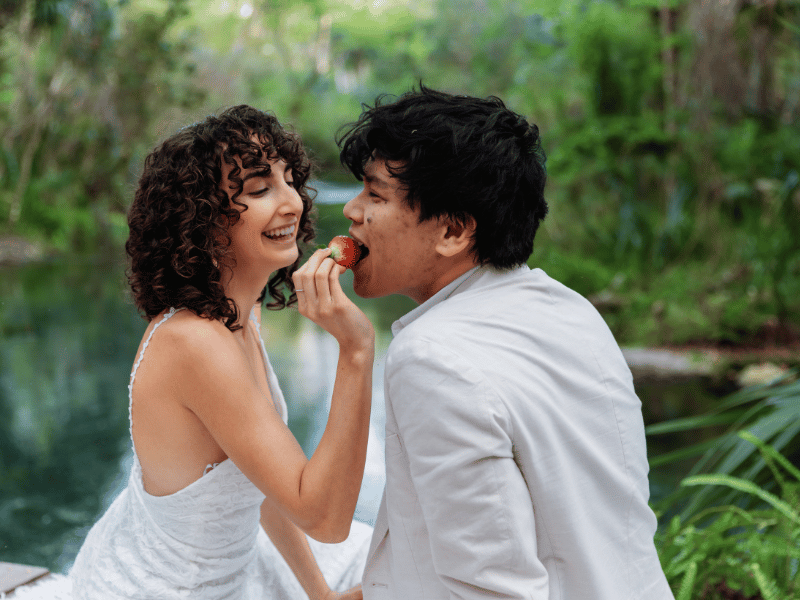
(173, 445)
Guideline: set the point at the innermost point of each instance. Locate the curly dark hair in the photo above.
(459, 156)
(180, 217)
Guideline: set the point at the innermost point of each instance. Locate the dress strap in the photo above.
(167, 315)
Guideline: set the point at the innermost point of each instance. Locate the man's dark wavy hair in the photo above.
(180, 217)
(458, 156)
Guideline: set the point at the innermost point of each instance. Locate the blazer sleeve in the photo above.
(458, 436)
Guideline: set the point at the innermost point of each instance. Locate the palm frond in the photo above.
(769, 413)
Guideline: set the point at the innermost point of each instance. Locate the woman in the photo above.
(214, 227)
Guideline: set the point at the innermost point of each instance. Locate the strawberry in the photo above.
(344, 251)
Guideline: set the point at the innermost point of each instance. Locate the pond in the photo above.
(68, 334)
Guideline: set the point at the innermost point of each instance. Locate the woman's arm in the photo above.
(324, 302)
(211, 373)
(291, 542)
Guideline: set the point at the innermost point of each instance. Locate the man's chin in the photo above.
(364, 291)
(360, 286)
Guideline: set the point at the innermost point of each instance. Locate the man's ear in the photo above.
(455, 235)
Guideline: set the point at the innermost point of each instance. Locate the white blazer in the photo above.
(515, 452)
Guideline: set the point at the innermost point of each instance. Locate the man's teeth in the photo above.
(280, 232)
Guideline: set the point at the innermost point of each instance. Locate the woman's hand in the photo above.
(320, 298)
(351, 594)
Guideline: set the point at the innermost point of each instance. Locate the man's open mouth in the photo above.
(364, 251)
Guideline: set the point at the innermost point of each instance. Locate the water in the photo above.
(667, 400)
(68, 336)
(329, 193)
(65, 346)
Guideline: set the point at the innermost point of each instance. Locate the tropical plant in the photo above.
(724, 549)
(769, 412)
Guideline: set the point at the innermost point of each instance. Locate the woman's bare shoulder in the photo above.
(186, 338)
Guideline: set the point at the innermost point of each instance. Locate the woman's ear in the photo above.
(456, 235)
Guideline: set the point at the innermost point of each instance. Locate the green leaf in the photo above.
(682, 453)
(747, 487)
(676, 425)
(767, 587)
(788, 25)
(771, 452)
(687, 583)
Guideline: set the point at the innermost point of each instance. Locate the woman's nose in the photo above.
(292, 202)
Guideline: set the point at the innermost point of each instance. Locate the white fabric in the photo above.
(515, 452)
(49, 587)
(204, 541)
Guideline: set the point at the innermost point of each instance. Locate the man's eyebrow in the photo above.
(376, 181)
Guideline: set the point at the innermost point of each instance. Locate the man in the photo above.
(515, 449)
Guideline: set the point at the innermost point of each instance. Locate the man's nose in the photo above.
(352, 209)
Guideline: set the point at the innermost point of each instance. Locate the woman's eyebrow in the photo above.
(262, 173)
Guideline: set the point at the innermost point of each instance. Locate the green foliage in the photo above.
(79, 100)
(774, 245)
(616, 48)
(584, 274)
(723, 549)
(697, 264)
(734, 523)
(767, 412)
(651, 178)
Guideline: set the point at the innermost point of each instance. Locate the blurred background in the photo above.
(672, 130)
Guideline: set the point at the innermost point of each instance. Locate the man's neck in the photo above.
(448, 275)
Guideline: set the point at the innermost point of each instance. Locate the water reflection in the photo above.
(68, 335)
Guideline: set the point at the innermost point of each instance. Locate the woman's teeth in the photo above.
(279, 233)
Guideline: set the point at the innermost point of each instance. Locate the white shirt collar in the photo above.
(438, 297)
(460, 284)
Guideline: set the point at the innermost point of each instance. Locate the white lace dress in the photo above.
(204, 541)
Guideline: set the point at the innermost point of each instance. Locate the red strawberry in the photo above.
(344, 251)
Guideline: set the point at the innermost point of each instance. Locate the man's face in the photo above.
(400, 252)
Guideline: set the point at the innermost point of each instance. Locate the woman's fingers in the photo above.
(334, 285)
(305, 280)
(322, 299)
(317, 285)
(322, 284)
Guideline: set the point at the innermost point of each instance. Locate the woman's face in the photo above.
(264, 239)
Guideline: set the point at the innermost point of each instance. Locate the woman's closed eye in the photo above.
(259, 192)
